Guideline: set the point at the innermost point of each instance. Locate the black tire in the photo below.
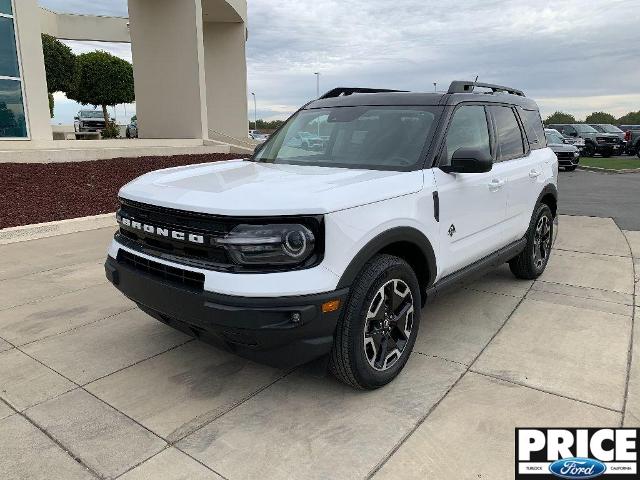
(607, 153)
(571, 168)
(532, 261)
(589, 150)
(354, 357)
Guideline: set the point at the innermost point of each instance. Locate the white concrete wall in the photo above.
(168, 64)
(84, 27)
(226, 76)
(34, 80)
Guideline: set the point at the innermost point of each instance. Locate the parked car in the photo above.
(632, 138)
(258, 136)
(306, 141)
(607, 128)
(132, 129)
(89, 121)
(568, 155)
(293, 255)
(606, 144)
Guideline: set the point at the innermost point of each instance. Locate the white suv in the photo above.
(298, 253)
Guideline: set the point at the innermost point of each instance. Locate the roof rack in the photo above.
(462, 86)
(344, 91)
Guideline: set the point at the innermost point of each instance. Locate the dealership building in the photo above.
(188, 59)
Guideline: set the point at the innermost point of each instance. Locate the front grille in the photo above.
(174, 275)
(565, 155)
(197, 247)
(204, 254)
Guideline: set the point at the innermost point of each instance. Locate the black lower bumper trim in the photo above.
(280, 331)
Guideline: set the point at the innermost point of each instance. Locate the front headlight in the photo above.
(278, 244)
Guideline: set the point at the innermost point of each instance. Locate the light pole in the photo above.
(435, 84)
(255, 112)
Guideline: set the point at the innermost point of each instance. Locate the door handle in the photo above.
(534, 173)
(496, 184)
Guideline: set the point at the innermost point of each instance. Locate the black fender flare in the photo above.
(385, 239)
(549, 189)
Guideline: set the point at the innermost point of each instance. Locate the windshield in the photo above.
(611, 129)
(367, 137)
(554, 137)
(91, 114)
(598, 128)
(585, 128)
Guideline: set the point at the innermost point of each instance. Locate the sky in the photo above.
(577, 56)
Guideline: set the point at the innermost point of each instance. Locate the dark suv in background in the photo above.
(632, 138)
(606, 144)
(608, 128)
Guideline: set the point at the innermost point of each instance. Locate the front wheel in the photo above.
(532, 261)
(378, 327)
(589, 150)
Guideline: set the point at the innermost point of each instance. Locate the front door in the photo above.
(472, 205)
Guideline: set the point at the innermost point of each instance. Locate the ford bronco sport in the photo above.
(298, 253)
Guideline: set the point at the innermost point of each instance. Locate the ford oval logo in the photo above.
(577, 467)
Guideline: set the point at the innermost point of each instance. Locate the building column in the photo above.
(34, 80)
(226, 76)
(168, 65)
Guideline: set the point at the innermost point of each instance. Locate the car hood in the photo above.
(237, 187)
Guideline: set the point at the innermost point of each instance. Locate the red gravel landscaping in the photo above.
(35, 193)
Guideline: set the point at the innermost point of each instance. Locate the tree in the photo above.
(601, 117)
(631, 118)
(60, 66)
(560, 117)
(102, 80)
(265, 125)
(51, 104)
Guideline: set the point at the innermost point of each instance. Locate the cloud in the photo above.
(574, 55)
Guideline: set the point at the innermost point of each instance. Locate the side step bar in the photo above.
(475, 270)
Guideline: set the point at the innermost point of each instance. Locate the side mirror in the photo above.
(469, 160)
(573, 134)
(76, 118)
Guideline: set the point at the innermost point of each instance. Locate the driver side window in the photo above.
(468, 129)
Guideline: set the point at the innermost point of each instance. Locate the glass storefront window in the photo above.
(12, 120)
(8, 54)
(5, 7)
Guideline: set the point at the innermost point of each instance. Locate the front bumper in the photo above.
(261, 329)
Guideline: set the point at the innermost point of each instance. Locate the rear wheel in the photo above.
(379, 325)
(533, 259)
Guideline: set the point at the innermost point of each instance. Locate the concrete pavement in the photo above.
(91, 387)
(602, 195)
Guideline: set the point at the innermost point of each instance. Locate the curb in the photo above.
(60, 227)
(608, 170)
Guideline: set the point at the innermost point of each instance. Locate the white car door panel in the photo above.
(472, 214)
(472, 205)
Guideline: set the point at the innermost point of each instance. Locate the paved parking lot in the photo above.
(91, 387)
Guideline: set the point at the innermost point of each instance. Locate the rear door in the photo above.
(472, 205)
(521, 165)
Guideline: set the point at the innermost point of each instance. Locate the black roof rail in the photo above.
(462, 86)
(344, 91)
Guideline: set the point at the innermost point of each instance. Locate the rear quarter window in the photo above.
(533, 128)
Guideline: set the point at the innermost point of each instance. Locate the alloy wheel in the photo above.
(542, 242)
(388, 326)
